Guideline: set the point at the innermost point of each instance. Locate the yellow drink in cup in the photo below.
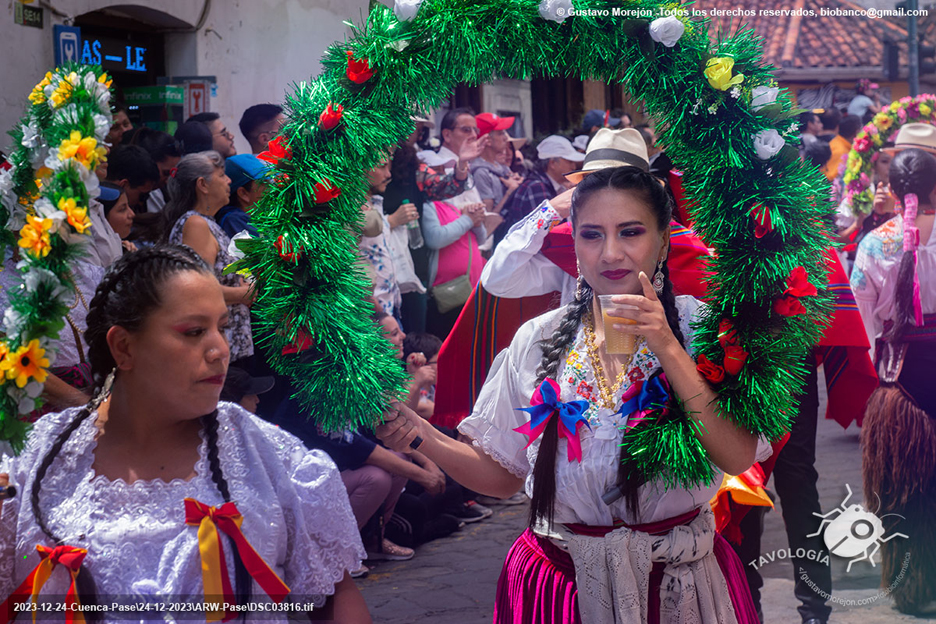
(616, 342)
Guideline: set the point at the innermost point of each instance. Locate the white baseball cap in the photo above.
(555, 146)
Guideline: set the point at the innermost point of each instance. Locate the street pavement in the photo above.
(453, 580)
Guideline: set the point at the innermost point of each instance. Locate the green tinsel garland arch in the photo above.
(766, 215)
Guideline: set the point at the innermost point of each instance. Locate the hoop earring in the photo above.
(658, 278)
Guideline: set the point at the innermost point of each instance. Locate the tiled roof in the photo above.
(812, 41)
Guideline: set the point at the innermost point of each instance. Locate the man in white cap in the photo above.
(556, 158)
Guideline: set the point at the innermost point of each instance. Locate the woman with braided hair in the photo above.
(894, 280)
(156, 493)
(588, 555)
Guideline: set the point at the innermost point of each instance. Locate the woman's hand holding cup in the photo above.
(643, 315)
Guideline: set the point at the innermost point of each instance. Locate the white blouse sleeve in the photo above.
(322, 533)
(517, 268)
(509, 386)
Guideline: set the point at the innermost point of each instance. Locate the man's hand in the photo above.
(403, 215)
(562, 203)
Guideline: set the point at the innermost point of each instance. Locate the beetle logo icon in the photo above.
(853, 532)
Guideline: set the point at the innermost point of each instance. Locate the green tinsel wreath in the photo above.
(765, 217)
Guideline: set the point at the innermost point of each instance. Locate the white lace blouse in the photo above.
(579, 486)
(295, 508)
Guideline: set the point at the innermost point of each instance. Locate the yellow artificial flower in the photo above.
(27, 362)
(718, 71)
(883, 121)
(84, 150)
(38, 93)
(34, 236)
(105, 80)
(925, 110)
(4, 350)
(61, 94)
(77, 217)
(894, 106)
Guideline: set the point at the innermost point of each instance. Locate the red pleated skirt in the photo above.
(537, 583)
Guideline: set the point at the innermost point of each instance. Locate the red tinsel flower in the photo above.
(710, 370)
(285, 250)
(788, 305)
(762, 224)
(331, 116)
(325, 191)
(282, 181)
(798, 284)
(303, 342)
(276, 150)
(735, 357)
(359, 70)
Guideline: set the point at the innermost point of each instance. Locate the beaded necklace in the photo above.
(607, 394)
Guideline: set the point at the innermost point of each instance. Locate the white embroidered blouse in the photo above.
(579, 486)
(294, 504)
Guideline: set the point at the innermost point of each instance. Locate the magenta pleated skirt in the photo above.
(537, 583)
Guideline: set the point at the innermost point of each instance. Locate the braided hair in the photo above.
(911, 171)
(651, 192)
(128, 294)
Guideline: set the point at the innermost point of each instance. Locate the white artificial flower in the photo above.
(31, 136)
(89, 178)
(434, 142)
(667, 30)
(767, 143)
(34, 388)
(233, 249)
(53, 162)
(555, 10)
(12, 322)
(102, 126)
(763, 96)
(405, 10)
(45, 209)
(38, 277)
(17, 218)
(7, 196)
(102, 96)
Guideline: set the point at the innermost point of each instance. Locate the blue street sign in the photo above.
(67, 44)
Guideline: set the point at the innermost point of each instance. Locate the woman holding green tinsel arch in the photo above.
(590, 505)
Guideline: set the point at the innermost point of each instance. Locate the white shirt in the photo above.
(579, 486)
(517, 268)
(295, 508)
(874, 276)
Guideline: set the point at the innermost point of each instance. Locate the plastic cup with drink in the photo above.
(616, 342)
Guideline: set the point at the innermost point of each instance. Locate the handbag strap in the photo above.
(470, 254)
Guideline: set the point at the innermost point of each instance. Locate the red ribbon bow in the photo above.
(228, 519)
(358, 70)
(286, 250)
(325, 191)
(67, 556)
(331, 116)
(277, 150)
(797, 286)
(735, 355)
(762, 225)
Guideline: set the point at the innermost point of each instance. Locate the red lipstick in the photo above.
(615, 275)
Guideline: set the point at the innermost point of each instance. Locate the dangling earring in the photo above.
(658, 278)
(579, 286)
(104, 392)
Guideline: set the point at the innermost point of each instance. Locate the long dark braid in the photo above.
(128, 293)
(911, 171)
(544, 470)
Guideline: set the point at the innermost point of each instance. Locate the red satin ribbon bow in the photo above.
(68, 556)
(227, 519)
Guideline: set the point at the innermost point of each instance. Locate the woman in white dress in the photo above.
(604, 546)
(156, 494)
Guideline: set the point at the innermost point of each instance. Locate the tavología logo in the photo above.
(855, 533)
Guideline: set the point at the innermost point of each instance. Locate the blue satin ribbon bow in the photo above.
(643, 398)
(544, 403)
